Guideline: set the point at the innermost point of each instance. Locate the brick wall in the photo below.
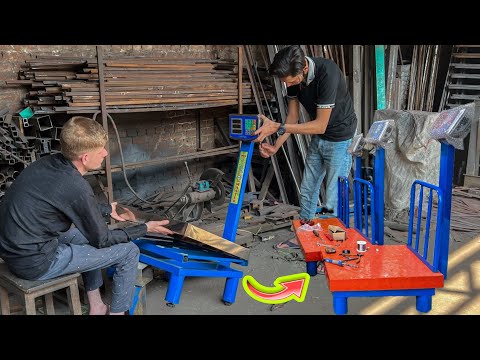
(143, 136)
(146, 136)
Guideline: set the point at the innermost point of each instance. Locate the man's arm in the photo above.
(86, 214)
(270, 127)
(317, 126)
(292, 119)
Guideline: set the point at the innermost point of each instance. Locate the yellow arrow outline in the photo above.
(276, 288)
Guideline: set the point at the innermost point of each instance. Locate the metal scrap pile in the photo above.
(465, 210)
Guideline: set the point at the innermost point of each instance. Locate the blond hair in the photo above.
(80, 135)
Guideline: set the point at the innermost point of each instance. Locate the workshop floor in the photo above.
(202, 296)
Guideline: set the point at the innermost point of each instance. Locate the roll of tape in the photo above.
(361, 246)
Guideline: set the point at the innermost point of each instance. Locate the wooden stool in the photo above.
(30, 290)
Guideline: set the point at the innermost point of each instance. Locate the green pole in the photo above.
(379, 175)
(380, 75)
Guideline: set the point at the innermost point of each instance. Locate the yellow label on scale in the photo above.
(239, 176)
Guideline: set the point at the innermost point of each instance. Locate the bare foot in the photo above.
(321, 268)
(101, 309)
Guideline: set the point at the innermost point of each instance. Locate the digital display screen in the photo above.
(448, 123)
(236, 126)
(380, 132)
(243, 127)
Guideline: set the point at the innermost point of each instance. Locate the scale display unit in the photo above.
(242, 128)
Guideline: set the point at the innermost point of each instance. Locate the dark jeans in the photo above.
(75, 254)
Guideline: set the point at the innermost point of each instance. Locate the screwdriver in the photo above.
(339, 262)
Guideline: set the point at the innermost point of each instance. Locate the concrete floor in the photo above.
(202, 296)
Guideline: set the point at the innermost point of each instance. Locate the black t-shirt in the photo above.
(328, 90)
(43, 201)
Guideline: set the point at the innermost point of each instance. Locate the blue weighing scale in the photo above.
(242, 128)
(190, 261)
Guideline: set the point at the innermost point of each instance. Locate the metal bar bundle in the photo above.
(71, 85)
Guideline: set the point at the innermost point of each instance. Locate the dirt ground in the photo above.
(202, 296)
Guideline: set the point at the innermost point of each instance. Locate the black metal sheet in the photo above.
(191, 235)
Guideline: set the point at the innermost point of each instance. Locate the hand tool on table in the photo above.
(350, 257)
(339, 262)
(328, 248)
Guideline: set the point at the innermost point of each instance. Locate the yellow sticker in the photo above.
(239, 176)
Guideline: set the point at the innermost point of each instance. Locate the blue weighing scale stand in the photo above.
(182, 262)
(378, 136)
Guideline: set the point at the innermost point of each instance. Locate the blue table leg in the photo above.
(312, 268)
(230, 291)
(340, 304)
(174, 290)
(424, 303)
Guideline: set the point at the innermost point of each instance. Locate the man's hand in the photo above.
(157, 227)
(268, 128)
(125, 213)
(267, 150)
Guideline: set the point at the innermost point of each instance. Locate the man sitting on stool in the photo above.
(37, 240)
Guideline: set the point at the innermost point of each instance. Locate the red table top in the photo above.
(382, 267)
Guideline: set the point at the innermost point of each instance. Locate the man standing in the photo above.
(37, 240)
(319, 85)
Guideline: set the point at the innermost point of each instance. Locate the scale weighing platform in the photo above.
(201, 253)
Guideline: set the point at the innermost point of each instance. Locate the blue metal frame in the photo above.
(445, 182)
(379, 196)
(358, 175)
(358, 167)
(357, 202)
(343, 208)
(442, 232)
(180, 263)
(437, 250)
(423, 301)
(238, 190)
(135, 300)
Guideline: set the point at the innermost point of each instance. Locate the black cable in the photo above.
(124, 172)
